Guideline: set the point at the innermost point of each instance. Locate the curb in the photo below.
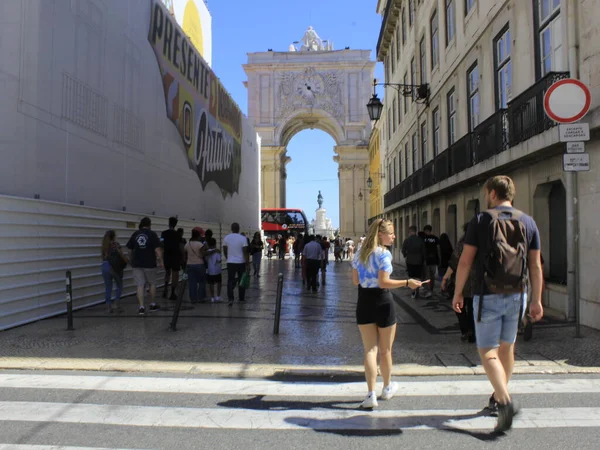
(267, 370)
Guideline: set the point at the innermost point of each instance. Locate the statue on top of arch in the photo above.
(311, 42)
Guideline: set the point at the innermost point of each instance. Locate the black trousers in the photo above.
(312, 272)
(234, 275)
(466, 320)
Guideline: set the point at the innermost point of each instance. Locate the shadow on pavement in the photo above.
(362, 424)
(370, 425)
(258, 403)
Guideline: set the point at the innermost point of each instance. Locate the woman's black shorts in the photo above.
(376, 306)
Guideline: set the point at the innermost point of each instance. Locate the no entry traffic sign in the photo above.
(567, 101)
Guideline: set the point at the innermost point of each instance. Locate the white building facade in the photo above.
(108, 113)
(487, 64)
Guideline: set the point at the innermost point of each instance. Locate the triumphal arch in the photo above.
(311, 85)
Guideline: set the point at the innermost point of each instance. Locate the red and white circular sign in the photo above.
(567, 101)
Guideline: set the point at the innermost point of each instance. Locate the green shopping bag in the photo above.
(245, 281)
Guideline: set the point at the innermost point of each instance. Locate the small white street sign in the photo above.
(574, 132)
(575, 147)
(576, 162)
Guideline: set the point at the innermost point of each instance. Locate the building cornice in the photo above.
(390, 19)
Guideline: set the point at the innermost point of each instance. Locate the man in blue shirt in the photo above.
(496, 332)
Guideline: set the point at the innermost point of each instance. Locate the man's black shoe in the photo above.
(506, 413)
(492, 407)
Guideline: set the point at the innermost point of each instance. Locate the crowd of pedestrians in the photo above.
(486, 274)
(199, 258)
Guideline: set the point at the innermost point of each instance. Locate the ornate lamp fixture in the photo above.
(419, 92)
(370, 180)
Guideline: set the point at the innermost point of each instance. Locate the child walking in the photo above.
(213, 258)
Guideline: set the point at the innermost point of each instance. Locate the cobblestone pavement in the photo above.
(317, 329)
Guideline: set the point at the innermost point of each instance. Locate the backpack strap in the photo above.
(515, 214)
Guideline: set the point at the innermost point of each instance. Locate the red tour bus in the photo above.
(282, 222)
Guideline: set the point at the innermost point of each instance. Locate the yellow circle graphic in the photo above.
(192, 26)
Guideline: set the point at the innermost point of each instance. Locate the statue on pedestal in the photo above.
(320, 200)
(311, 42)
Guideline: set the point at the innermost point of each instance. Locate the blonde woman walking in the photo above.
(375, 314)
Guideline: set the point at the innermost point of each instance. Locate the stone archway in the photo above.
(313, 86)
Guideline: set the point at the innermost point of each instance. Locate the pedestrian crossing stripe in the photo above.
(230, 387)
(51, 447)
(244, 419)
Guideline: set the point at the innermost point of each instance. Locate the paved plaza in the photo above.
(224, 380)
(318, 335)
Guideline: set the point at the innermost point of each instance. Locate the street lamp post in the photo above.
(419, 92)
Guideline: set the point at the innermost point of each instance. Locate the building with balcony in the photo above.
(488, 64)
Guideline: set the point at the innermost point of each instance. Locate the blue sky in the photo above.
(241, 27)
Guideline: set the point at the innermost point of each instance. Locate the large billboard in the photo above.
(195, 20)
(207, 118)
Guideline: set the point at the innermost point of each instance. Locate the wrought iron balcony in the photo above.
(441, 166)
(526, 116)
(490, 137)
(461, 157)
(394, 195)
(427, 178)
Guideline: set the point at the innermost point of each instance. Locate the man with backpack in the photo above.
(503, 243)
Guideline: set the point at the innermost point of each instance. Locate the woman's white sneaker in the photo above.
(370, 401)
(389, 391)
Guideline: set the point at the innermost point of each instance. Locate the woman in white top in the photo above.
(194, 253)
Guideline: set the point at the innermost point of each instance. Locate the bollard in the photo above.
(278, 303)
(181, 293)
(173, 324)
(69, 301)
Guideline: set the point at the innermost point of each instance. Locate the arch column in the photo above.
(353, 174)
(273, 161)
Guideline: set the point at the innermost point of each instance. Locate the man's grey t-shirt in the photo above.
(478, 235)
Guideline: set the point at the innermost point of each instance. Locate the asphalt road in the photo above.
(41, 410)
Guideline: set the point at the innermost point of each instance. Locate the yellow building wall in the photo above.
(376, 192)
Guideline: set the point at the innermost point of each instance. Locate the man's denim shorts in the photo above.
(500, 318)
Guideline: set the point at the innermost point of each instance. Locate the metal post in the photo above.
(278, 303)
(173, 324)
(177, 309)
(69, 301)
(571, 185)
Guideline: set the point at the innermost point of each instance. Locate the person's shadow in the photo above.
(372, 425)
(359, 422)
(258, 403)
